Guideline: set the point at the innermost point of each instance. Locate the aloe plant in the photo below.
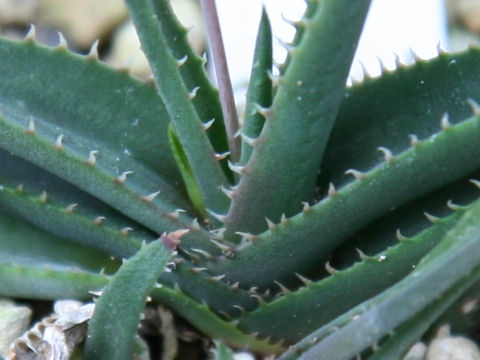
(346, 224)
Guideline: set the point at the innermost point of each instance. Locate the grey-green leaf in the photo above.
(112, 329)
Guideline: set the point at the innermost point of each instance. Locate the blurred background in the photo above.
(393, 27)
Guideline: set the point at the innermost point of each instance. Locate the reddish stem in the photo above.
(223, 79)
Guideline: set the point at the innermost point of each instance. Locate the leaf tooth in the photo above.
(206, 125)
(358, 175)
(93, 53)
(451, 205)
(474, 106)
(62, 43)
(234, 286)
(127, 65)
(96, 293)
(383, 68)
(475, 182)
(398, 62)
(365, 72)
(237, 168)
(228, 192)
(249, 140)
(193, 92)
(282, 287)
(330, 269)
(283, 219)
(271, 225)
(266, 294)
(264, 111)
(168, 268)
(440, 50)
(387, 154)
(238, 307)
(275, 79)
(248, 236)
(43, 197)
(219, 217)
(176, 213)
(196, 270)
(431, 218)
(204, 58)
(150, 197)
(216, 279)
(59, 142)
(122, 177)
(470, 305)
(414, 140)
(280, 66)
(221, 156)
(287, 46)
(150, 79)
(227, 317)
(444, 122)
(194, 259)
(294, 23)
(206, 254)
(177, 260)
(253, 290)
(31, 34)
(19, 188)
(92, 159)
(399, 236)
(195, 225)
(99, 220)
(354, 80)
(303, 279)
(182, 61)
(260, 299)
(331, 190)
(71, 208)
(221, 246)
(415, 56)
(125, 230)
(362, 255)
(234, 322)
(218, 233)
(31, 126)
(306, 207)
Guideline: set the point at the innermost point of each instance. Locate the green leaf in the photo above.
(397, 345)
(206, 100)
(384, 111)
(110, 117)
(95, 225)
(212, 325)
(177, 99)
(191, 184)
(112, 329)
(24, 244)
(282, 169)
(452, 262)
(294, 315)
(303, 242)
(259, 91)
